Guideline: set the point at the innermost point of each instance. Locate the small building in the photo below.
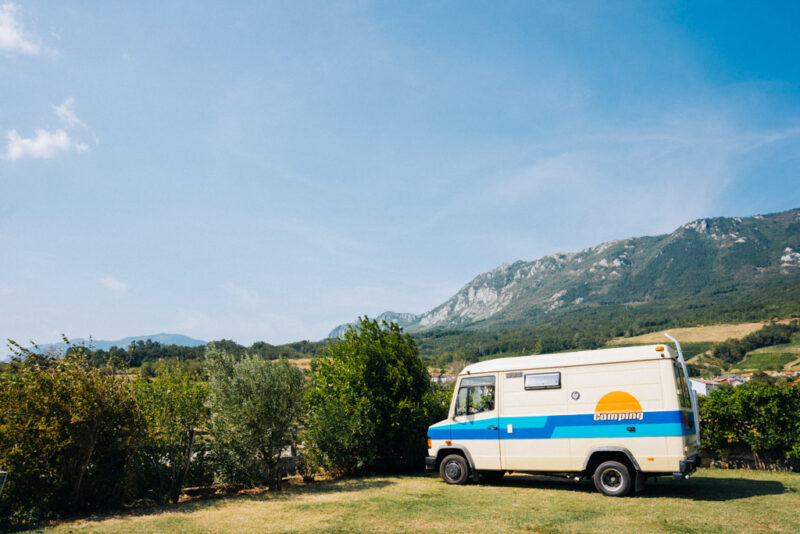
(703, 387)
(441, 378)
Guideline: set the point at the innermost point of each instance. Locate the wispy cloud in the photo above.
(630, 179)
(45, 144)
(13, 37)
(42, 145)
(67, 114)
(113, 284)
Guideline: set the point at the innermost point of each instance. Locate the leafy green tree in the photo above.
(173, 404)
(370, 401)
(254, 405)
(757, 418)
(68, 435)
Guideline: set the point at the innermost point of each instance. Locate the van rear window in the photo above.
(683, 389)
(543, 381)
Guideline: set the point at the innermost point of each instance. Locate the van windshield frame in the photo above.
(475, 395)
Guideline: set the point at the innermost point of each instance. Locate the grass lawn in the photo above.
(765, 361)
(711, 501)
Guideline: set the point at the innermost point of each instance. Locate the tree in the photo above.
(173, 405)
(370, 401)
(254, 404)
(68, 434)
(756, 418)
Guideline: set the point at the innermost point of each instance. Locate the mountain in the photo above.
(708, 263)
(163, 339)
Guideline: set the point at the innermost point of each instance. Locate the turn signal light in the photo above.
(660, 348)
(429, 442)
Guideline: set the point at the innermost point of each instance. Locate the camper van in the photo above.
(615, 415)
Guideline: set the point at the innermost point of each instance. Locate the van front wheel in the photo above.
(612, 479)
(454, 469)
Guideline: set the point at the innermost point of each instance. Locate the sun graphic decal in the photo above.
(618, 406)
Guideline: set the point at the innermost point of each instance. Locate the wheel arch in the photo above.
(599, 455)
(456, 449)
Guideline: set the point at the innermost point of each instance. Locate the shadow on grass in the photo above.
(713, 489)
(696, 488)
(341, 485)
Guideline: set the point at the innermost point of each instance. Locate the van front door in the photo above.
(476, 421)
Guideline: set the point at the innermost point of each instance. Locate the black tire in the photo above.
(490, 477)
(454, 469)
(613, 479)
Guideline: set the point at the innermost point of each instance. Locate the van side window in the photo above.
(543, 381)
(475, 395)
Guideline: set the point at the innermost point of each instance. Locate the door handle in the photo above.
(492, 427)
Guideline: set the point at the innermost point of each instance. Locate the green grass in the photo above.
(711, 501)
(766, 361)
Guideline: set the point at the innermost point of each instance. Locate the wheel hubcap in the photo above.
(612, 479)
(453, 470)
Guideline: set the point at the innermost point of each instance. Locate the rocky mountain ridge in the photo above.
(723, 255)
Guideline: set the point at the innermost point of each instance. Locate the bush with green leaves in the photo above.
(172, 401)
(370, 401)
(68, 436)
(755, 419)
(255, 404)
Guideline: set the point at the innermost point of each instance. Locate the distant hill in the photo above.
(163, 339)
(739, 268)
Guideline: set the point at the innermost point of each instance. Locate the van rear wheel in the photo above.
(454, 469)
(613, 479)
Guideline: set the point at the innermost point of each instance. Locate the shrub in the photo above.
(68, 435)
(254, 404)
(172, 402)
(756, 419)
(370, 401)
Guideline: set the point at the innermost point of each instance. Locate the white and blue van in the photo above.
(616, 415)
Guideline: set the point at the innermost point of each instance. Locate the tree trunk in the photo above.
(757, 460)
(177, 484)
(76, 492)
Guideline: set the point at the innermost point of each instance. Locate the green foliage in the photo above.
(172, 402)
(370, 402)
(68, 435)
(254, 405)
(733, 350)
(140, 352)
(756, 418)
(766, 361)
(297, 349)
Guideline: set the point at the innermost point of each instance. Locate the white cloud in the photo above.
(43, 145)
(67, 114)
(46, 144)
(13, 37)
(113, 284)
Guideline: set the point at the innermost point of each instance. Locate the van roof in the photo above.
(571, 359)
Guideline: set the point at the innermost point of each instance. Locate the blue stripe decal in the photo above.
(653, 424)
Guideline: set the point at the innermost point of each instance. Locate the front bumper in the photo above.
(687, 467)
(430, 463)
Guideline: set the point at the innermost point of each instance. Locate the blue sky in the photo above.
(268, 170)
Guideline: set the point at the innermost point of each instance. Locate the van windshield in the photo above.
(475, 395)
